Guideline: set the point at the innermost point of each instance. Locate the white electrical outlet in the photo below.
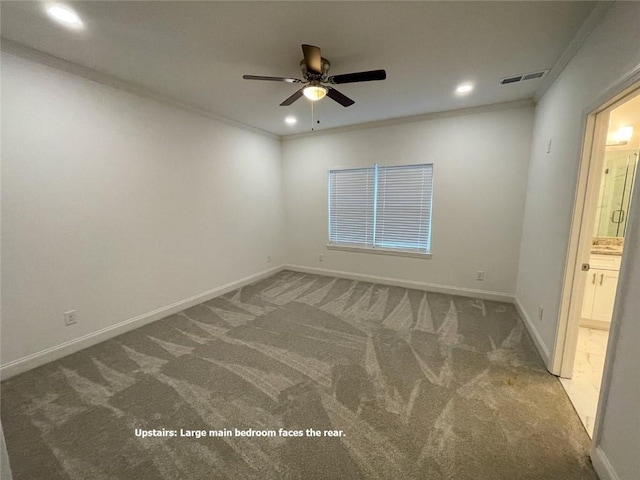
(540, 312)
(268, 258)
(480, 275)
(321, 258)
(70, 318)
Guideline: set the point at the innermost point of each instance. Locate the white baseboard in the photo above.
(432, 287)
(533, 332)
(54, 353)
(602, 466)
(396, 282)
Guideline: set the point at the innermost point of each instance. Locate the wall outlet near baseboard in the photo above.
(480, 275)
(321, 258)
(540, 313)
(268, 258)
(70, 318)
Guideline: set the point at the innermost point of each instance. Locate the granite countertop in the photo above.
(607, 246)
(606, 250)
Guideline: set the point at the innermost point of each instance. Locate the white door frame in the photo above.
(589, 177)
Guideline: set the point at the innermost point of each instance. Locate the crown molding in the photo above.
(28, 53)
(494, 107)
(593, 20)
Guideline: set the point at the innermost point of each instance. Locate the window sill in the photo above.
(379, 251)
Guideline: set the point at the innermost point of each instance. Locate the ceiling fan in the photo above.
(315, 70)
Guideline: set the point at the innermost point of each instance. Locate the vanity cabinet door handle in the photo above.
(593, 281)
(601, 278)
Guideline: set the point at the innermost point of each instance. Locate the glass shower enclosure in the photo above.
(621, 169)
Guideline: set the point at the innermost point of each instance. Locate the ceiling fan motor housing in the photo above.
(326, 65)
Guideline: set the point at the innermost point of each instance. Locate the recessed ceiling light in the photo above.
(64, 15)
(291, 120)
(464, 88)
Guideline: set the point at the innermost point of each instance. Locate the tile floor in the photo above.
(584, 388)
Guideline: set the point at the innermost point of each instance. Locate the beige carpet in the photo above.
(419, 385)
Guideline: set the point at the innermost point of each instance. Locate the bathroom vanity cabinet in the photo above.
(600, 291)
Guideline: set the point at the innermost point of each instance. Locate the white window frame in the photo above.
(377, 249)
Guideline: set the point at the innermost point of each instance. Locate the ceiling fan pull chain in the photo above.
(312, 116)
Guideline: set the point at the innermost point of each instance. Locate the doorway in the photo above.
(608, 179)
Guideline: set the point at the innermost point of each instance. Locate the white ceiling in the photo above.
(197, 52)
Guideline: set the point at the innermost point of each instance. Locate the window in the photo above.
(383, 208)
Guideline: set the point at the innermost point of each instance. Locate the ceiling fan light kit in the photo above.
(315, 70)
(314, 92)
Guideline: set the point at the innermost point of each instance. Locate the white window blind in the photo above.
(382, 207)
(403, 208)
(351, 205)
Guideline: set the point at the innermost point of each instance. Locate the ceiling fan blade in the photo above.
(312, 59)
(272, 79)
(359, 77)
(341, 98)
(292, 98)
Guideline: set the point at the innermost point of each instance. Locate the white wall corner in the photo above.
(59, 351)
(601, 464)
(533, 332)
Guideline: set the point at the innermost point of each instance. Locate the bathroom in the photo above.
(618, 176)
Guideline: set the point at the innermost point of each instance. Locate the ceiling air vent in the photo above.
(508, 80)
(523, 77)
(531, 76)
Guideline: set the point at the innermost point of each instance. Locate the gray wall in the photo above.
(609, 54)
(119, 194)
(480, 160)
